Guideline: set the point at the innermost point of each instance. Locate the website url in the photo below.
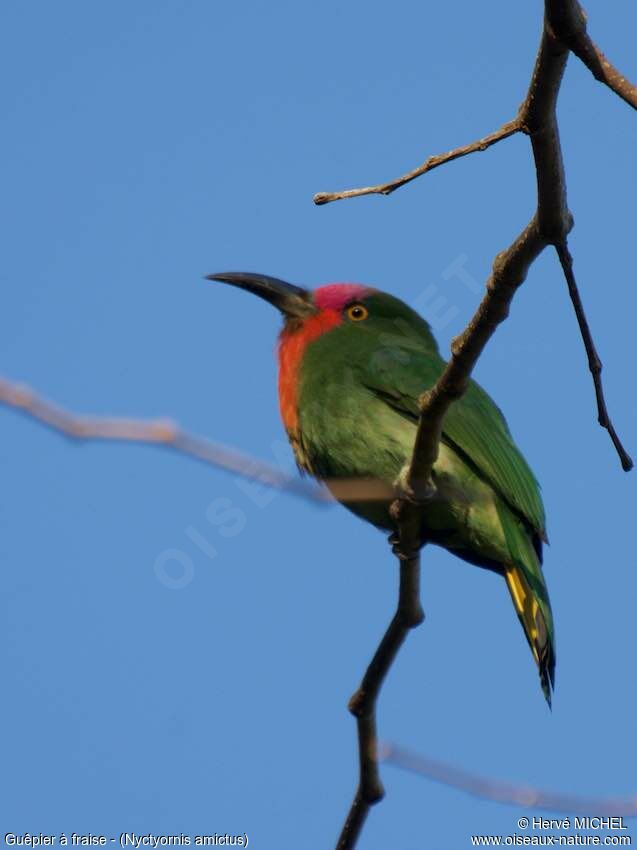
(577, 840)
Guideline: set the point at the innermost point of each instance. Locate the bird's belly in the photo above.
(461, 517)
(374, 441)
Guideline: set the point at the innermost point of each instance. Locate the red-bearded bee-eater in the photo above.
(353, 362)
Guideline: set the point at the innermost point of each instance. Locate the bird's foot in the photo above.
(416, 493)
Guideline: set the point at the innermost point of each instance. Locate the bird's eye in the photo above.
(357, 312)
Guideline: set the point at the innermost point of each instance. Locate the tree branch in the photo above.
(157, 432)
(505, 792)
(362, 705)
(550, 225)
(504, 132)
(564, 30)
(167, 434)
(594, 362)
(568, 21)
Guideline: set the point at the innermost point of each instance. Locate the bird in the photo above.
(353, 361)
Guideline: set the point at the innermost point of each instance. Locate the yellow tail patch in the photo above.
(528, 610)
(535, 626)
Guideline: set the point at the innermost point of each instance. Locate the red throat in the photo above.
(330, 300)
(292, 345)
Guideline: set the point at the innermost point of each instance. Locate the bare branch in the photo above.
(594, 362)
(603, 71)
(504, 132)
(158, 432)
(509, 271)
(362, 705)
(568, 22)
(505, 792)
(550, 224)
(564, 30)
(166, 433)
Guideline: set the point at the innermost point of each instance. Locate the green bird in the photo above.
(353, 362)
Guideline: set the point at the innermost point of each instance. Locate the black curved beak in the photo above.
(292, 301)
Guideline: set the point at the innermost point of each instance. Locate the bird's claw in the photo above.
(397, 548)
(406, 490)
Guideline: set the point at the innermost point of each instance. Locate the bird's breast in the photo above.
(293, 342)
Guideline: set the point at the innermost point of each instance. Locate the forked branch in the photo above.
(568, 21)
(564, 29)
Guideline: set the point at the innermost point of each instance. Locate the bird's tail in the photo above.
(528, 591)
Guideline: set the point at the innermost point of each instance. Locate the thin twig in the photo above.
(362, 705)
(594, 362)
(568, 21)
(505, 792)
(504, 132)
(167, 434)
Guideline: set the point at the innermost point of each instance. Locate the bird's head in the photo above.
(309, 314)
(338, 322)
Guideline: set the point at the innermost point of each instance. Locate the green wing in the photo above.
(476, 430)
(477, 427)
(474, 426)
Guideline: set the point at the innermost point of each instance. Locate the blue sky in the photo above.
(147, 144)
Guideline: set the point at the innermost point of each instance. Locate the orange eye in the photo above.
(357, 312)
